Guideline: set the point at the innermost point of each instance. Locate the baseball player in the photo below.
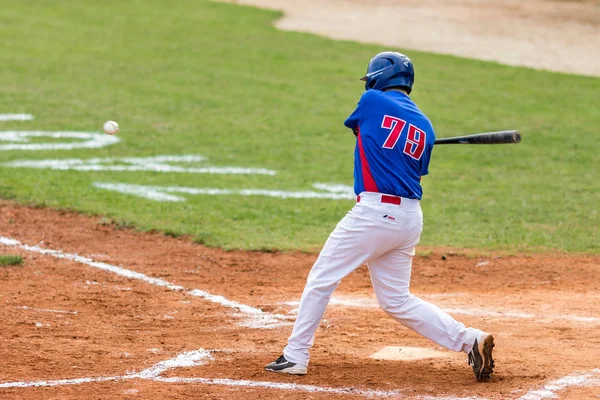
(394, 140)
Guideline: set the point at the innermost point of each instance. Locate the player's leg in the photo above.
(343, 252)
(355, 239)
(390, 275)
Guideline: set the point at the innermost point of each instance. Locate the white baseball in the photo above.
(111, 127)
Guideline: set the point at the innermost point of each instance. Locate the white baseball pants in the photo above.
(384, 236)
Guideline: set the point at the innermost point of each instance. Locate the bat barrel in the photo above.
(501, 137)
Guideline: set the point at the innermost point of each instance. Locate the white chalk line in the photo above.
(16, 117)
(199, 357)
(163, 193)
(187, 359)
(372, 303)
(154, 164)
(193, 358)
(287, 386)
(549, 391)
(254, 317)
(21, 140)
(58, 382)
(47, 310)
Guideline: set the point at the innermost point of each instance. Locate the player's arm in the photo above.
(353, 120)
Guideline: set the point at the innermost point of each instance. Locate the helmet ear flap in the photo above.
(369, 82)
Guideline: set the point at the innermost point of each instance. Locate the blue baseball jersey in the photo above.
(394, 140)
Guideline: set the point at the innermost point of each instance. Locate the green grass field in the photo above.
(6, 260)
(196, 77)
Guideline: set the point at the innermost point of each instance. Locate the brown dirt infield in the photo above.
(555, 35)
(84, 322)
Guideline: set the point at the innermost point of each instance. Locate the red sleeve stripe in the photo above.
(368, 181)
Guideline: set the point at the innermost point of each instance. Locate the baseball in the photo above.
(111, 127)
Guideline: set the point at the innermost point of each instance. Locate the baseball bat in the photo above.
(483, 138)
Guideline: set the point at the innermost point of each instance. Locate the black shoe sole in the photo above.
(487, 367)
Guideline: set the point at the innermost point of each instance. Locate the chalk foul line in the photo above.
(253, 317)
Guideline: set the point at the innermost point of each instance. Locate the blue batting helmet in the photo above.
(389, 69)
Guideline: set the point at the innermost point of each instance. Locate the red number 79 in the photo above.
(415, 138)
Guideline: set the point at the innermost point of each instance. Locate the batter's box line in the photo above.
(253, 317)
(201, 356)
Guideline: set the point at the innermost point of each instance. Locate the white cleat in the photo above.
(283, 366)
